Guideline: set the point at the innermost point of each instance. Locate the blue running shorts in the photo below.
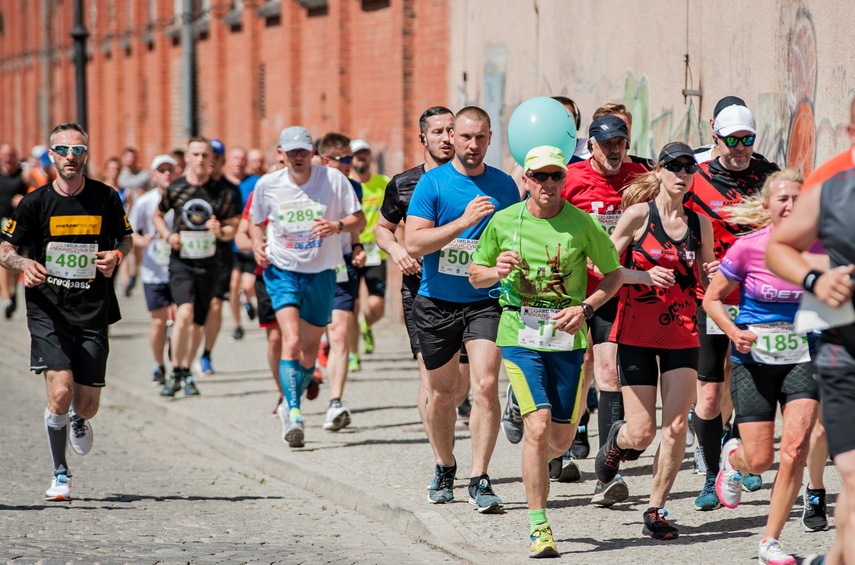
(311, 293)
(546, 380)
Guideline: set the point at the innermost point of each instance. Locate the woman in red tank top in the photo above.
(662, 244)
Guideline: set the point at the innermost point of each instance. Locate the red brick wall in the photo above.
(366, 73)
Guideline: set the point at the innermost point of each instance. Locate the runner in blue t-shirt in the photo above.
(451, 206)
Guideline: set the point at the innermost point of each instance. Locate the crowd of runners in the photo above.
(603, 282)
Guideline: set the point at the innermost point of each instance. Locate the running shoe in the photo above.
(751, 483)
(728, 483)
(314, 387)
(465, 408)
(542, 544)
(171, 386)
(512, 423)
(190, 386)
(608, 494)
(700, 464)
(205, 364)
(690, 427)
(367, 338)
(482, 497)
(294, 432)
(60, 488)
(564, 470)
(814, 560)
(441, 489)
(158, 374)
(250, 310)
(708, 499)
(323, 353)
(771, 553)
(656, 527)
(80, 434)
(609, 456)
(581, 447)
(237, 335)
(814, 518)
(9, 309)
(353, 363)
(337, 418)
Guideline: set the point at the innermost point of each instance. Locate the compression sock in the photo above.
(536, 518)
(709, 434)
(56, 427)
(291, 378)
(609, 412)
(307, 374)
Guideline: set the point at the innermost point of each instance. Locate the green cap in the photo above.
(544, 156)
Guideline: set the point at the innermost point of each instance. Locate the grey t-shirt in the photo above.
(139, 180)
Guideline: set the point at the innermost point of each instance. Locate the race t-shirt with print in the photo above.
(290, 212)
(441, 196)
(714, 188)
(763, 297)
(63, 234)
(155, 263)
(662, 318)
(598, 195)
(373, 192)
(194, 205)
(552, 273)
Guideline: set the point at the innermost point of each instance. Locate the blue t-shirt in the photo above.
(246, 187)
(441, 196)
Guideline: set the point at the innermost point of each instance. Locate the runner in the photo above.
(77, 233)
(155, 263)
(204, 215)
(824, 213)
(771, 363)
(308, 207)
(539, 249)
(735, 174)
(665, 245)
(12, 189)
(449, 209)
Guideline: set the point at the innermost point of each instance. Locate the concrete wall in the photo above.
(792, 62)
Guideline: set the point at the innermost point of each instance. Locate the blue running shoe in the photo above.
(205, 363)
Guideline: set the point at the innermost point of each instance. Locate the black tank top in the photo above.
(836, 205)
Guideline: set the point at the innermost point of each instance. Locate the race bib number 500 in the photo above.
(74, 261)
(455, 257)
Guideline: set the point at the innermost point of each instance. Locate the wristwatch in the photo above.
(588, 310)
(340, 226)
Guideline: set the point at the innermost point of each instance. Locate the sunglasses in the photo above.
(343, 160)
(677, 166)
(543, 177)
(76, 150)
(732, 140)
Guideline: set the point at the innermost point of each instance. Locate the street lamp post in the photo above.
(79, 34)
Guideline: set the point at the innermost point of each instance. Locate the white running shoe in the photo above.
(728, 483)
(337, 418)
(294, 434)
(80, 434)
(771, 553)
(60, 489)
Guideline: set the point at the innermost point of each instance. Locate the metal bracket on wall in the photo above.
(687, 83)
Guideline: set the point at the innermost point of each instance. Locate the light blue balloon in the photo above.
(541, 121)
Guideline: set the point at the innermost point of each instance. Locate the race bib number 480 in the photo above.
(454, 258)
(537, 329)
(71, 260)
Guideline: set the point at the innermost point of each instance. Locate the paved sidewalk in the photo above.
(381, 464)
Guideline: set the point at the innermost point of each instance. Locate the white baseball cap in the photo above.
(733, 119)
(161, 159)
(359, 145)
(295, 137)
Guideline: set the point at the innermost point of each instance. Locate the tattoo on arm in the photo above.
(10, 259)
(126, 245)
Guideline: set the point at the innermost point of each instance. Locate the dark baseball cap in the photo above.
(725, 102)
(674, 151)
(218, 147)
(607, 127)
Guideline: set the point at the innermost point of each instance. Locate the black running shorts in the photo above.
(266, 313)
(715, 349)
(836, 365)
(375, 279)
(641, 366)
(55, 345)
(193, 285)
(444, 326)
(757, 389)
(600, 325)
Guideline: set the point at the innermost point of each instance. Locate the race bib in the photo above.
(372, 254)
(713, 329)
(537, 329)
(607, 221)
(74, 261)
(455, 257)
(162, 251)
(341, 275)
(197, 244)
(779, 344)
(299, 216)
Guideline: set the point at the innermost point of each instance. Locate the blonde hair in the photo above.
(643, 188)
(752, 210)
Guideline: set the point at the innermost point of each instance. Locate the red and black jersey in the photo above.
(664, 318)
